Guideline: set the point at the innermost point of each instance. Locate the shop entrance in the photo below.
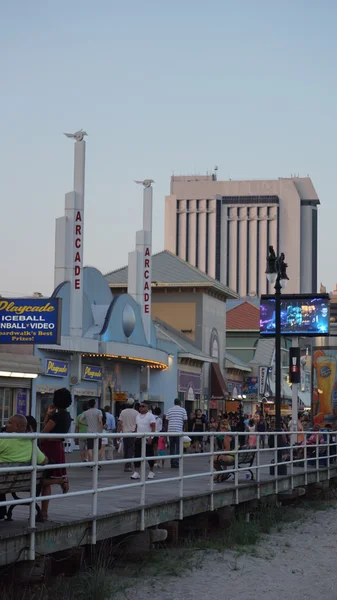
(6, 405)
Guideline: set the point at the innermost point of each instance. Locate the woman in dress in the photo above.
(58, 420)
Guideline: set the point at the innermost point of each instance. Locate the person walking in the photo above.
(145, 423)
(110, 427)
(177, 420)
(261, 427)
(127, 424)
(94, 419)
(82, 443)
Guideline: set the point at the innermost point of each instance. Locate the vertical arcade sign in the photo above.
(147, 281)
(77, 250)
(76, 294)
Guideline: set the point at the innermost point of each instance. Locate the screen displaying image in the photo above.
(299, 315)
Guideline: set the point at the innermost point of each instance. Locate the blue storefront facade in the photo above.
(112, 361)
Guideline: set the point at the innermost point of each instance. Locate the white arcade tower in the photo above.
(139, 270)
(69, 238)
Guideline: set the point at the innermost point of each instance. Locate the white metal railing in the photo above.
(308, 457)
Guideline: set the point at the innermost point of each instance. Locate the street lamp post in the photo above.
(277, 274)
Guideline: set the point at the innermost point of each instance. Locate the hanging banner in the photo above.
(30, 321)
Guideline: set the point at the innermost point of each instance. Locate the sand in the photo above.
(299, 563)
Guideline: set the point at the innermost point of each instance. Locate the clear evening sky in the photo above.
(161, 87)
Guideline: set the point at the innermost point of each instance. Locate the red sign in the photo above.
(147, 280)
(78, 250)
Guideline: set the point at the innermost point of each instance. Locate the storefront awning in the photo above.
(218, 384)
(20, 364)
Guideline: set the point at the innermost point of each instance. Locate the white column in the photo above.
(76, 294)
(242, 266)
(192, 232)
(202, 235)
(263, 250)
(211, 238)
(140, 263)
(223, 254)
(252, 266)
(233, 240)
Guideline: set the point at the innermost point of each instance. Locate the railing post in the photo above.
(142, 480)
(32, 515)
(258, 464)
(181, 476)
(305, 454)
(94, 496)
(211, 449)
(292, 461)
(276, 442)
(317, 457)
(236, 464)
(328, 452)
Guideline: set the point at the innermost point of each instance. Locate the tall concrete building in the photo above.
(225, 227)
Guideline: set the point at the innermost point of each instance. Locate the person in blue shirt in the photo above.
(110, 427)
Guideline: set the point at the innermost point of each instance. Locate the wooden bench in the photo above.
(15, 482)
(245, 459)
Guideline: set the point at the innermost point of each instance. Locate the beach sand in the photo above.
(299, 563)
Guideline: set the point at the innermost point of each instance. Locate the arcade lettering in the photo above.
(147, 280)
(78, 250)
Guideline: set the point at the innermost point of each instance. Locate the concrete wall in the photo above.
(180, 315)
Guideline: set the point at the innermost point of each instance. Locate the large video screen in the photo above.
(302, 315)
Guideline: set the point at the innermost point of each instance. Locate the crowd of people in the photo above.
(135, 419)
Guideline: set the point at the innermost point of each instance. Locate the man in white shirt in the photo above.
(177, 421)
(145, 423)
(127, 424)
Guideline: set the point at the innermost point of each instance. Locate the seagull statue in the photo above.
(146, 182)
(78, 135)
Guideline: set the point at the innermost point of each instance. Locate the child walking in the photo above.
(162, 443)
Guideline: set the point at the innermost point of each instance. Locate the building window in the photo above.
(187, 234)
(228, 246)
(178, 204)
(187, 204)
(197, 239)
(247, 256)
(238, 250)
(314, 250)
(258, 253)
(218, 240)
(177, 233)
(207, 204)
(250, 200)
(198, 204)
(207, 238)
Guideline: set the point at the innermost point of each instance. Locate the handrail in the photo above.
(312, 457)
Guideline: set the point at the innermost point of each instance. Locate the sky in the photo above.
(161, 88)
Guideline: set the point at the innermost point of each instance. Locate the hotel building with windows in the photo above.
(224, 228)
